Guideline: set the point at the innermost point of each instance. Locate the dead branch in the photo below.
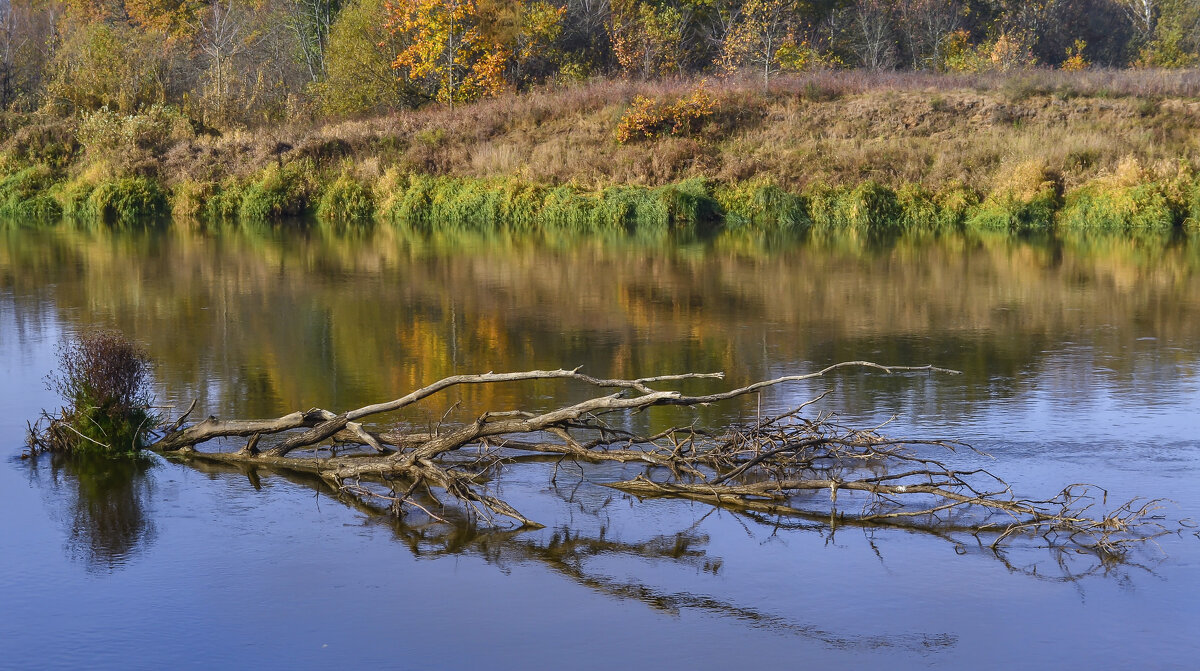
(775, 465)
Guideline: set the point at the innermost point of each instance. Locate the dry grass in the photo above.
(826, 128)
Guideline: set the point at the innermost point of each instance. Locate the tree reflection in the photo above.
(105, 506)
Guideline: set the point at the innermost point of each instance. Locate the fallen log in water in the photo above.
(772, 465)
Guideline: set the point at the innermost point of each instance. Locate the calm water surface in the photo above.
(1081, 362)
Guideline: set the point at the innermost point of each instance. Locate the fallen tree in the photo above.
(782, 465)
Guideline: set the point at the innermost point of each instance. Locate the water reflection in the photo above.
(104, 505)
(1081, 359)
(257, 321)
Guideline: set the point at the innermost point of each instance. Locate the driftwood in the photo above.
(783, 465)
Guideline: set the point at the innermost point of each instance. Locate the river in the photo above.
(1080, 361)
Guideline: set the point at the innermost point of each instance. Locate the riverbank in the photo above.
(870, 153)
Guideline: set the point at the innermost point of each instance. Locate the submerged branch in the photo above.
(775, 465)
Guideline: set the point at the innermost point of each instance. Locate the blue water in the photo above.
(187, 567)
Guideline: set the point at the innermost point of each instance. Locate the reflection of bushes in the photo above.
(109, 518)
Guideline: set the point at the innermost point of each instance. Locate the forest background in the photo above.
(115, 109)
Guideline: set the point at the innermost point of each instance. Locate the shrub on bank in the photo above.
(868, 209)
(762, 205)
(122, 200)
(127, 200)
(1119, 208)
(420, 202)
(346, 201)
(1026, 199)
(25, 194)
(280, 191)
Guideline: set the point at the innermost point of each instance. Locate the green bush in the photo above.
(868, 209)
(346, 201)
(1025, 200)
(126, 200)
(26, 194)
(1120, 208)
(922, 211)
(105, 380)
(280, 191)
(763, 206)
(424, 203)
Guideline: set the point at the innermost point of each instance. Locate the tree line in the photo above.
(225, 62)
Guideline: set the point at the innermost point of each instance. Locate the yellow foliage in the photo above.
(647, 40)
(1008, 51)
(1076, 61)
(447, 49)
(647, 119)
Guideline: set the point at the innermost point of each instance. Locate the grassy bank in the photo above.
(873, 154)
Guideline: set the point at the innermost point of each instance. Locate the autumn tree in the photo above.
(447, 50)
(647, 39)
(762, 32)
(115, 66)
(539, 28)
(1175, 37)
(360, 76)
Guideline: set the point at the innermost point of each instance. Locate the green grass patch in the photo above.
(1107, 207)
(25, 194)
(1025, 200)
(870, 209)
(280, 191)
(764, 207)
(425, 203)
(346, 201)
(127, 200)
(124, 200)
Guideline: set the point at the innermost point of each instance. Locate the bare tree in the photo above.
(926, 25)
(223, 35)
(873, 40)
(310, 21)
(10, 42)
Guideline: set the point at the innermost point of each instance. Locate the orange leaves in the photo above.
(647, 119)
(447, 50)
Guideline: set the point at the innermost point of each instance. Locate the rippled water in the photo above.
(1081, 362)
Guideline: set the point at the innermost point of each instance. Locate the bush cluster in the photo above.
(648, 119)
(105, 380)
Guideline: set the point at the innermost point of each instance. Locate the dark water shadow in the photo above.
(103, 504)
